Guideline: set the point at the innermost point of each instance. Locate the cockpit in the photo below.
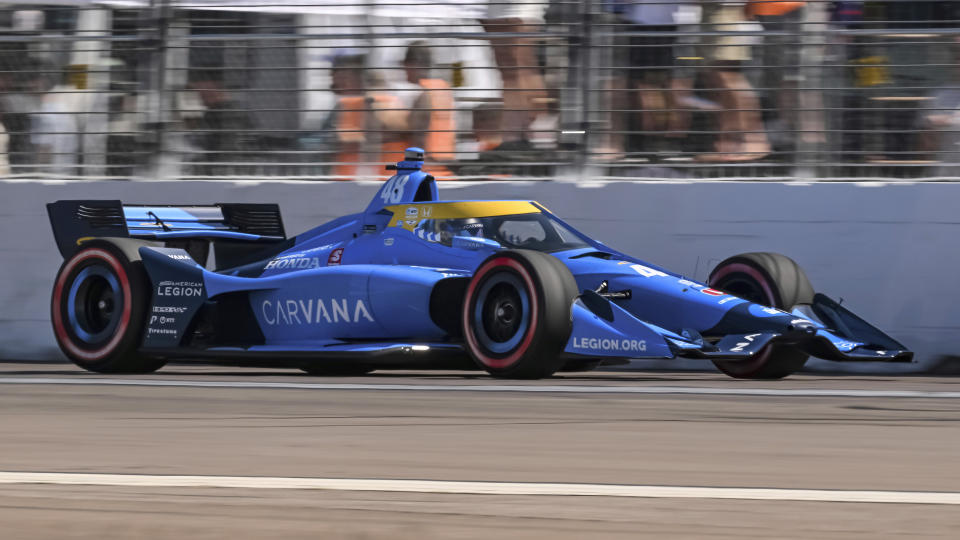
(535, 231)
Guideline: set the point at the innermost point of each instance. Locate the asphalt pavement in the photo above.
(214, 452)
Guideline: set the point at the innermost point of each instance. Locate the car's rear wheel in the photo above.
(517, 314)
(98, 309)
(769, 279)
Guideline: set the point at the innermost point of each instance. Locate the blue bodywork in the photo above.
(377, 282)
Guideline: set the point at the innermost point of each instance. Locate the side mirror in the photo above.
(474, 243)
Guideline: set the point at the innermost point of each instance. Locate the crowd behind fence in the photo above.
(334, 90)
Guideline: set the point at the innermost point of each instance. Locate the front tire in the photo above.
(98, 309)
(769, 279)
(517, 314)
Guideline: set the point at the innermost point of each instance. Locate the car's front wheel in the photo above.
(769, 279)
(517, 314)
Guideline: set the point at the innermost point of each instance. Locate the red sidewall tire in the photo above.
(67, 339)
(544, 321)
(116, 352)
(790, 288)
(486, 359)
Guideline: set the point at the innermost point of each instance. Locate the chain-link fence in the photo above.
(331, 89)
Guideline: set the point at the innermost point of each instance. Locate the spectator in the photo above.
(647, 82)
(487, 122)
(524, 92)
(389, 125)
(16, 106)
(4, 150)
(741, 135)
(226, 126)
(780, 58)
(939, 129)
(53, 128)
(431, 121)
(359, 119)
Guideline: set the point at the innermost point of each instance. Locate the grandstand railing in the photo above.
(590, 89)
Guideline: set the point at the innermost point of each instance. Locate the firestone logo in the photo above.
(314, 311)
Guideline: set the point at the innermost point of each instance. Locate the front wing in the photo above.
(603, 329)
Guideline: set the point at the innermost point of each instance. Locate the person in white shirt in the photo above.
(53, 128)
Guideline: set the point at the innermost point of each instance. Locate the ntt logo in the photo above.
(604, 344)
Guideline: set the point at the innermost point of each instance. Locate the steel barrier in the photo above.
(493, 89)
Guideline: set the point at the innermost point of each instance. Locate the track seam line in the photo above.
(482, 488)
(562, 389)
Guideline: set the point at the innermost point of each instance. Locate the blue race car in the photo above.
(415, 281)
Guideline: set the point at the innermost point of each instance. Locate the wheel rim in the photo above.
(94, 304)
(502, 312)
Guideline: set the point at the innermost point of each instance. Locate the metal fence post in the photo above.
(586, 88)
(163, 104)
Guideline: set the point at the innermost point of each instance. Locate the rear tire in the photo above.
(99, 308)
(769, 279)
(517, 314)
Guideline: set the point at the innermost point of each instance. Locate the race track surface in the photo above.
(214, 452)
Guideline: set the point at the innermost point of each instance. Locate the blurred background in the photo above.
(334, 89)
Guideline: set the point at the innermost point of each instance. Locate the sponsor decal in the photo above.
(162, 320)
(336, 256)
(772, 311)
(427, 212)
(179, 257)
(604, 344)
(429, 237)
(727, 299)
(388, 241)
(293, 262)
(688, 283)
(164, 331)
(713, 292)
(411, 222)
(646, 271)
(180, 288)
(314, 311)
(169, 309)
(412, 212)
(746, 343)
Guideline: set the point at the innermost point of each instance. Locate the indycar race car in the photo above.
(415, 281)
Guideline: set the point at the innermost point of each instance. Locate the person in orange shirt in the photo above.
(431, 122)
(350, 116)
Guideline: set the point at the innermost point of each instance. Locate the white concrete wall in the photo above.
(890, 251)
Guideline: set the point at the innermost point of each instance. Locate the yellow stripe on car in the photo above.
(408, 215)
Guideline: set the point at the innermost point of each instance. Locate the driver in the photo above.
(460, 227)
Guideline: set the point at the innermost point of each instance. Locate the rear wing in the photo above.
(73, 221)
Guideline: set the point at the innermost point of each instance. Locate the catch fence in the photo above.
(590, 89)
